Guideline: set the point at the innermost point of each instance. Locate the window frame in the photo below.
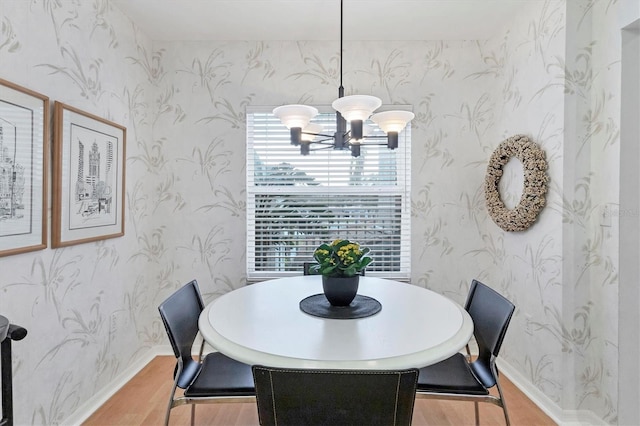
(403, 171)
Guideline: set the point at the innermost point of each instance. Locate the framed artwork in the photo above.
(24, 147)
(88, 177)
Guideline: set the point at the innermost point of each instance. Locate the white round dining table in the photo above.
(263, 324)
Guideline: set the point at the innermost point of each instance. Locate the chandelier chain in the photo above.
(341, 37)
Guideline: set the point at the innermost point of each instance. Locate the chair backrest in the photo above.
(336, 397)
(180, 313)
(491, 313)
(306, 268)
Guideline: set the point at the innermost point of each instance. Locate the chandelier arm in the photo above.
(374, 137)
(324, 146)
(327, 140)
(324, 135)
(372, 143)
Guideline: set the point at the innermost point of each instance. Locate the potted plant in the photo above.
(340, 263)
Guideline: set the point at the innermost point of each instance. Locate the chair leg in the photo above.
(169, 406)
(173, 394)
(504, 403)
(193, 414)
(477, 412)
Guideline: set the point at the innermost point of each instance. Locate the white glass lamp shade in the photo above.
(295, 115)
(392, 121)
(356, 107)
(311, 128)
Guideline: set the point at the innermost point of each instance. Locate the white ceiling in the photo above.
(174, 20)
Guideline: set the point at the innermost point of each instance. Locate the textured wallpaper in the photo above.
(550, 74)
(89, 309)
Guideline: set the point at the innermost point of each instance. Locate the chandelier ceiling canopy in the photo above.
(354, 109)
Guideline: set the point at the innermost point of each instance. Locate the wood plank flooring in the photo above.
(143, 401)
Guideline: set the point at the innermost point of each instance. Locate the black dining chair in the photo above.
(214, 378)
(334, 397)
(306, 268)
(462, 378)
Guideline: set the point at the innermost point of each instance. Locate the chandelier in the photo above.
(354, 109)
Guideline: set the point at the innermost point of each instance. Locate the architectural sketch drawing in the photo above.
(12, 183)
(93, 178)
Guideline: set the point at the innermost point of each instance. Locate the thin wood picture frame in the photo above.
(88, 177)
(24, 159)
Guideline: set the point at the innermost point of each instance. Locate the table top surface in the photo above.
(263, 324)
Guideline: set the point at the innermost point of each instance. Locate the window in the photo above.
(296, 202)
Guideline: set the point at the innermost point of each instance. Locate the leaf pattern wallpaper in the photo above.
(552, 73)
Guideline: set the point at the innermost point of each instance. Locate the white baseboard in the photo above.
(550, 408)
(86, 409)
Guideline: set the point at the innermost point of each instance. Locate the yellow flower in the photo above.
(341, 258)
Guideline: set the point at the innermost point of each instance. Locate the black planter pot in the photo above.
(340, 291)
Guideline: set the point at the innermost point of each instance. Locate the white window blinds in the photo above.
(295, 202)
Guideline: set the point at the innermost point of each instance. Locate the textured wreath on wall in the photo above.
(534, 191)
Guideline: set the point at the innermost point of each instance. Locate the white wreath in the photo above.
(533, 198)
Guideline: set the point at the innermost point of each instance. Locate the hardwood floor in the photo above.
(143, 400)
